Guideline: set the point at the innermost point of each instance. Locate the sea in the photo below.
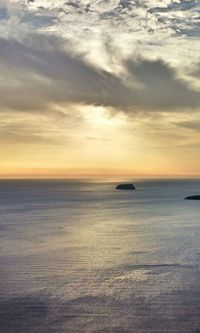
(83, 257)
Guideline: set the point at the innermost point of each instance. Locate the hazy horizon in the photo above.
(100, 177)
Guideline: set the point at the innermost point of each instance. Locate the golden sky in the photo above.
(99, 90)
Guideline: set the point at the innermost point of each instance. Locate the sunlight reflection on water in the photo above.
(83, 257)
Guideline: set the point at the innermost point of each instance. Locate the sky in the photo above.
(99, 89)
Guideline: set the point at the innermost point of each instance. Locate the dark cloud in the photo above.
(40, 71)
(3, 13)
(126, 3)
(75, 4)
(186, 24)
(162, 86)
(183, 5)
(36, 75)
(38, 20)
(190, 124)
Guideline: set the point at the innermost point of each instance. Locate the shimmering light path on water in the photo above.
(84, 257)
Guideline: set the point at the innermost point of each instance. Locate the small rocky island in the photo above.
(193, 197)
(125, 187)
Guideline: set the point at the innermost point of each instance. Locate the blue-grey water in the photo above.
(84, 257)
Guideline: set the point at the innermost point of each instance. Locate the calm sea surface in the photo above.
(84, 257)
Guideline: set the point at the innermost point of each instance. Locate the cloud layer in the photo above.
(54, 64)
(62, 61)
(40, 70)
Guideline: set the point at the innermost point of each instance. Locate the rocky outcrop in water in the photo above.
(193, 197)
(125, 187)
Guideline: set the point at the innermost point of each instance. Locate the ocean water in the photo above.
(85, 258)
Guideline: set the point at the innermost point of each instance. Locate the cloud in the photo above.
(163, 88)
(150, 16)
(42, 70)
(190, 124)
(39, 69)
